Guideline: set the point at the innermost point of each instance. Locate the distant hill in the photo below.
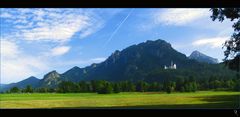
(200, 57)
(1, 85)
(33, 81)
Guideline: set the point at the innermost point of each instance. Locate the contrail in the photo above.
(116, 30)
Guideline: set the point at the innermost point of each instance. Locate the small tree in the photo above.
(68, 87)
(180, 84)
(42, 90)
(130, 87)
(29, 89)
(194, 87)
(154, 87)
(229, 84)
(7, 91)
(170, 86)
(237, 86)
(182, 89)
(14, 90)
(116, 88)
(83, 86)
(106, 88)
(109, 88)
(141, 86)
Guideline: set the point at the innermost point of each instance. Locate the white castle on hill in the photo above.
(172, 66)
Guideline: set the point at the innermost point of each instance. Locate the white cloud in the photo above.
(20, 68)
(52, 24)
(79, 62)
(5, 15)
(16, 65)
(58, 31)
(179, 16)
(57, 51)
(100, 59)
(9, 50)
(214, 42)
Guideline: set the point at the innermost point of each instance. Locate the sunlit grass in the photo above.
(201, 99)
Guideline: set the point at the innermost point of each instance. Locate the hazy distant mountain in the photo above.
(200, 57)
(33, 81)
(1, 85)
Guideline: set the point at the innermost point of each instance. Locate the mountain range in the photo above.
(144, 61)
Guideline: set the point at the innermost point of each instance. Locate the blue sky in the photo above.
(36, 41)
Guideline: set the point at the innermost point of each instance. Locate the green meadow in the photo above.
(144, 100)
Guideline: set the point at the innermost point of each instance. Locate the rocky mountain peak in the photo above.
(200, 57)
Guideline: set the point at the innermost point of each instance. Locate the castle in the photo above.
(172, 66)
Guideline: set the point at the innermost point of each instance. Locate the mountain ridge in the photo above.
(137, 62)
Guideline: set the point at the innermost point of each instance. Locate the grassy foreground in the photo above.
(201, 99)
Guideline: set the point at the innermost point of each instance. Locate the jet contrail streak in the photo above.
(116, 30)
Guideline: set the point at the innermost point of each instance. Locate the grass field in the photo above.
(201, 99)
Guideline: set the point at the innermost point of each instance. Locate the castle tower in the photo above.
(174, 66)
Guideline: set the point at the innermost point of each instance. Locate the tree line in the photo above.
(180, 84)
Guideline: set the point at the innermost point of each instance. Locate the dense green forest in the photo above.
(179, 84)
